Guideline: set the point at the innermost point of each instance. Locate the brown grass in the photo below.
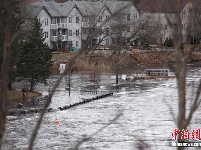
(17, 96)
(62, 56)
(91, 63)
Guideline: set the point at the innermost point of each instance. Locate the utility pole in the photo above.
(69, 82)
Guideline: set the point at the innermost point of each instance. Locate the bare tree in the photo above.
(181, 70)
(5, 17)
(196, 23)
(125, 33)
(71, 61)
(93, 18)
(119, 42)
(152, 29)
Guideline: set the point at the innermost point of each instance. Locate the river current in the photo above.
(148, 106)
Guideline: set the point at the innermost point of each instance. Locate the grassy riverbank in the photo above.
(17, 96)
(126, 60)
(61, 56)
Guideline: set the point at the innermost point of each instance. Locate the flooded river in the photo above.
(145, 105)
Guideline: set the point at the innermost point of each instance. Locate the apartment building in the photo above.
(165, 12)
(195, 6)
(69, 24)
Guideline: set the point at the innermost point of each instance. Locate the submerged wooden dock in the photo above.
(151, 74)
(153, 77)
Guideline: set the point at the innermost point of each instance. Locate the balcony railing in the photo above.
(59, 25)
(54, 38)
(62, 25)
(54, 26)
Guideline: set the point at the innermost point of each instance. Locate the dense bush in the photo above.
(168, 43)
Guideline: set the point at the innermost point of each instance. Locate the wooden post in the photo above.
(69, 82)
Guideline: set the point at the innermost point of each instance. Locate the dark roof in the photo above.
(85, 8)
(32, 11)
(159, 6)
(50, 6)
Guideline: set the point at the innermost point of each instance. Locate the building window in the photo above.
(53, 21)
(46, 34)
(84, 19)
(70, 33)
(183, 14)
(135, 28)
(77, 19)
(107, 31)
(84, 30)
(128, 17)
(58, 20)
(128, 28)
(165, 27)
(46, 21)
(77, 33)
(100, 18)
(183, 26)
(107, 41)
(107, 18)
(54, 33)
(70, 19)
(70, 43)
(135, 16)
(77, 44)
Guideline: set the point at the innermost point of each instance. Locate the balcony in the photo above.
(59, 25)
(54, 38)
(64, 38)
(54, 26)
(62, 25)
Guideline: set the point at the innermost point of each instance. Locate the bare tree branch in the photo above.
(71, 61)
(195, 105)
(35, 132)
(79, 143)
(171, 111)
